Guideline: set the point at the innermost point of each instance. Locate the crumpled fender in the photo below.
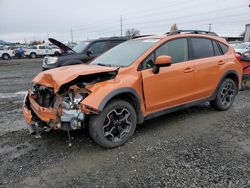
(102, 92)
(57, 77)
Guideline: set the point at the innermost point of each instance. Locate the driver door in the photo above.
(172, 86)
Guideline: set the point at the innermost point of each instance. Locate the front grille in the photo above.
(45, 97)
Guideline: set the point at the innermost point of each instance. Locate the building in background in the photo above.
(247, 33)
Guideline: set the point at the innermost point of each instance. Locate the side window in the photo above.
(98, 47)
(177, 49)
(33, 47)
(148, 62)
(217, 51)
(41, 47)
(201, 48)
(223, 47)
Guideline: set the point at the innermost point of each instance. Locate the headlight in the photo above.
(50, 60)
(78, 98)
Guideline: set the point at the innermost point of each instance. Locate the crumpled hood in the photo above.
(55, 78)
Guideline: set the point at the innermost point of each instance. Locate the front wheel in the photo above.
(6, 56)
(114, 125)
(225, 95)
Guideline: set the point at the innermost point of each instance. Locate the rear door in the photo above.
(207, 58)
(173, 85)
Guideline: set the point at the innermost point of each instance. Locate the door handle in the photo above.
(221, 63)
(188, 70)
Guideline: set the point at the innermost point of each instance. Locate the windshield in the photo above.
(124, 54)
(80, 47)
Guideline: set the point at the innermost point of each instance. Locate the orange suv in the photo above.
(139, 79)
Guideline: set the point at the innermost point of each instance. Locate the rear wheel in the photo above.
(6, 56)
(115, 125)
(225, 95)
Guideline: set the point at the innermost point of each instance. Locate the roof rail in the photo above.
(192, 32)
(136, 37)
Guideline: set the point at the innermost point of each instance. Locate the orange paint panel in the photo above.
(45, 114)
(27, 115)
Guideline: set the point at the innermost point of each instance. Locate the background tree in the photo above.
(132, 33)
(36, 42)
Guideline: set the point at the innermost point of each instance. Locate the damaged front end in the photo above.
(44, 109)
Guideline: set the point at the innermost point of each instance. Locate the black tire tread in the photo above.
(95, 123)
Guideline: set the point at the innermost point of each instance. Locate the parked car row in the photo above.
(41, 50)
(28, 51)
(242, 47)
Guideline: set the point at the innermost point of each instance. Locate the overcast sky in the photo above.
(37, 19)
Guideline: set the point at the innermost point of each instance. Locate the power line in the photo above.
(71, 32)
(88, 27)
(97, 28)
(121, 26)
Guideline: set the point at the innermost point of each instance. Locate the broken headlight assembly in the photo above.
(71, 112)
(79, 97)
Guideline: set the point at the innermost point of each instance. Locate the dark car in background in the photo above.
(84, 52)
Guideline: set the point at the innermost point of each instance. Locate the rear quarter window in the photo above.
(217, 50)
(223, 47)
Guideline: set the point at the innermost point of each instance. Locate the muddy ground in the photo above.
(197, 147)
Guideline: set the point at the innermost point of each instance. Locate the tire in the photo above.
(5, 56)
(244, 85)
(225, 95)
(32, 55)
(107, 130)
(57, 54)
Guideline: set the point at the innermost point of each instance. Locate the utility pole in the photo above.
(210, 27)
(71, 32)
(121, 26)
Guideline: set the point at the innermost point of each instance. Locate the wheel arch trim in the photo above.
(223, 77)
(125, 90)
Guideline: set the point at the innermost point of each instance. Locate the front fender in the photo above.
(103, 92)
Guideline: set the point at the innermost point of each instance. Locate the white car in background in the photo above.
(6, 54)
(41, 50)
(242, 48)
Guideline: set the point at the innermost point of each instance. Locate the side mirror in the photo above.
(161, 61)
(89, 53)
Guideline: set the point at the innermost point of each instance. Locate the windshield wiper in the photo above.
(105, 65)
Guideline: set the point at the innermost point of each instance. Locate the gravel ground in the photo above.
(197, 147)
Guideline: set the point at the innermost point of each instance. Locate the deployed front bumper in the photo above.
(44, 114)
(38, 117)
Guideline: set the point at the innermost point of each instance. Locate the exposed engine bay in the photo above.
(65, 106)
